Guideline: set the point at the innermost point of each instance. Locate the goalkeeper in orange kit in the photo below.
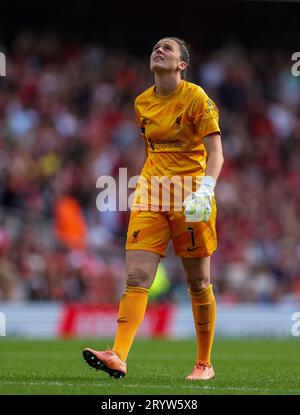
(179, 124)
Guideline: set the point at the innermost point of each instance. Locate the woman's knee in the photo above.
(137, 277)
(197, 272)
(198, 284)
(141, 268)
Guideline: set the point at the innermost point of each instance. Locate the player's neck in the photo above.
(166, 84)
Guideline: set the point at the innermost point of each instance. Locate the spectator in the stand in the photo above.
(70, 225)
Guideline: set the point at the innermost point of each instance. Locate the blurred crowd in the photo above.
(66, 118)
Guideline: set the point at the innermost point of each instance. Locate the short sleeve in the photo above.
(205, 116)
(139, 120)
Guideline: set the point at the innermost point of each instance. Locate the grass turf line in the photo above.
(242, 366)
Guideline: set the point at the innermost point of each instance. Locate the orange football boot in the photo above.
(107, 360)
(201, 371)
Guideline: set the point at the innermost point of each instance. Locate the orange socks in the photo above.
(204, 312)
(131, 313)
(132, 310)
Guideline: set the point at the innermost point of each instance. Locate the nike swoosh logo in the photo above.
(192, 249)
(122, 320)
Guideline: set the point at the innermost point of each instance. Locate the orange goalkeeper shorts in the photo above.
(151, 231)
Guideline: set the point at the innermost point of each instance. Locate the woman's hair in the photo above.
(184, 53)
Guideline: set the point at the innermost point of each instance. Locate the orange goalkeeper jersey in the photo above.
(174, 127)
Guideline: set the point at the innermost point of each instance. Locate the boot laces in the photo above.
(201, 365)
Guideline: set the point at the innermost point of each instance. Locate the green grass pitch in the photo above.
(242, 366)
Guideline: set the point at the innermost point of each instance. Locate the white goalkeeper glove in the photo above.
(198, 205)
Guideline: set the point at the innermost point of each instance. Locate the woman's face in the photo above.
(166, 57)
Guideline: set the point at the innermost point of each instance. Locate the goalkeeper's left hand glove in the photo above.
(198, 205)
